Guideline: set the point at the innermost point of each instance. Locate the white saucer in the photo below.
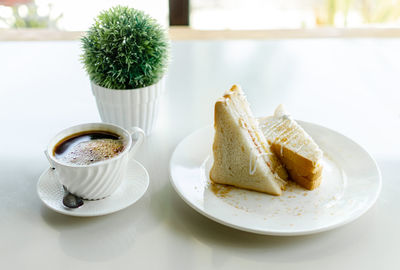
(51, 192)
(350, 185)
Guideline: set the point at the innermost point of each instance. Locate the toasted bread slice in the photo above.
(294, 147)
(242, 156)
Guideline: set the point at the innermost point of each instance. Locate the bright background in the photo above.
(77, 15)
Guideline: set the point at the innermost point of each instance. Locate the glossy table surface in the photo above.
(349, 85)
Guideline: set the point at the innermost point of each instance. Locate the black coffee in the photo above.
(88, 147)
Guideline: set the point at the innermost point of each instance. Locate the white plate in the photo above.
(133, 187)
(350, 185)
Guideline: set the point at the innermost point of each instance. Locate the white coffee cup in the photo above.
(99, 179)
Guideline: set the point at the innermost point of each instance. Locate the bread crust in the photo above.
(301, 170)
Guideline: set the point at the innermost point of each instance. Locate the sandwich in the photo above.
(296, 149)
(242, 156)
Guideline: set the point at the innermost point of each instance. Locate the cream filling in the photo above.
(246, 121)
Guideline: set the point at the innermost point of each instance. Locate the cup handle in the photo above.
(138, 135)
(49, 159)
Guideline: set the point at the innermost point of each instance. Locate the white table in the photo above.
(351, 86)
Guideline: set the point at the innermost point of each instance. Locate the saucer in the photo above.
(133, 187)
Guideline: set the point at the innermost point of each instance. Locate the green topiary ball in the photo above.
(125, 49)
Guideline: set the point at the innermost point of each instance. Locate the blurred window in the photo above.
(69, 15)
(78, 15)
(293, 14)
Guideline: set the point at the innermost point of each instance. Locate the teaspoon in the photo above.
(70, 200)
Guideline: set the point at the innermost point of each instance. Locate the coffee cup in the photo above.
(97, 180)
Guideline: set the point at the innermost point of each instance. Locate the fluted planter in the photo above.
(129, 108)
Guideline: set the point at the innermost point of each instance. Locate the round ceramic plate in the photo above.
(133, 187)
(350, 185)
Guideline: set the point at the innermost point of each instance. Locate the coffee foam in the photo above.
(88, 152)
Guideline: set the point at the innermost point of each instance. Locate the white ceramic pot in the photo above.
(130, 108)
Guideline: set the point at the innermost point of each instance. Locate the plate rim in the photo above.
(274, 232)
(78, 214)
